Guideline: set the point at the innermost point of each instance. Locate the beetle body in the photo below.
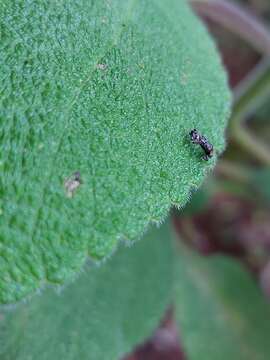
(201, 140)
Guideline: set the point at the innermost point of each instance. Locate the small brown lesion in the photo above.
(101, 66)
(72, 183)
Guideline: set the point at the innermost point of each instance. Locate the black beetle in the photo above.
(197, 138)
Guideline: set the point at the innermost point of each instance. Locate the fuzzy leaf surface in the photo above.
(102, 315)
(109, 90)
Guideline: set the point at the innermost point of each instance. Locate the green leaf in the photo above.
(102, 315)
(221, 312)
(109, 90)
(260, 181)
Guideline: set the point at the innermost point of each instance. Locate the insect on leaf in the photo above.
(108, 89)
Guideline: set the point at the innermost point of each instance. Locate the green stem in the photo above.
(253, 91)
(252, 144)
(237, 20)
(256, 88)
(251, 94)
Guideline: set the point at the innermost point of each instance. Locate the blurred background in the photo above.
(230, 214)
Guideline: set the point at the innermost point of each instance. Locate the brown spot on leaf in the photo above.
(72, 183)
(101, 66)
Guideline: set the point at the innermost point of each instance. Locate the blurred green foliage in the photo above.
(102, 315)
(221, 311)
